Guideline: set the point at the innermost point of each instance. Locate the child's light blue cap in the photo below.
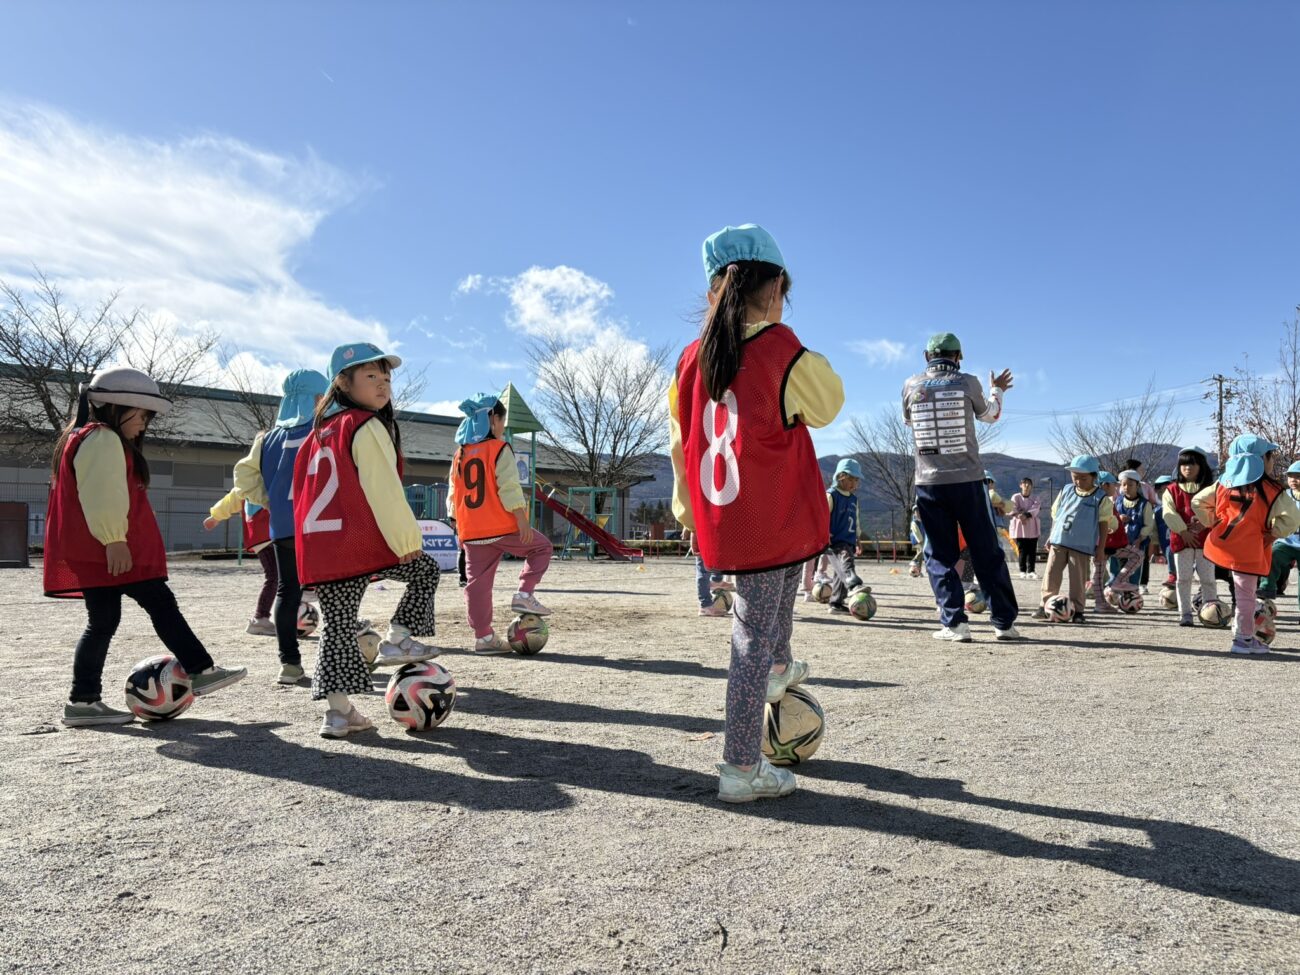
(849, 466)
(1241, 469)
(1106, 477)
(1251, 443)
(1294, 468)
(1084, 464)
(988, 476)
(1163, 479)
(748, 242)
(301, 387)
(357, 353)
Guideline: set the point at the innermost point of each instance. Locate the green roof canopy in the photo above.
(519, 418)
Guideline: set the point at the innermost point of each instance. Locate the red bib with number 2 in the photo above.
(336, 534)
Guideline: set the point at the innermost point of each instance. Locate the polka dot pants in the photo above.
(760, 637)
(340, 668)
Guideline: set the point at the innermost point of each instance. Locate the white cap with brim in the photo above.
(124, 386)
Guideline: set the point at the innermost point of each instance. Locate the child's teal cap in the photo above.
(988, 476)
(849, 466)
(1163, 479)
(1251, 443)
(1106, 477)
(1241, 469)
(357, 353)
(1294, 469)
(748, 242)
(1084, 464)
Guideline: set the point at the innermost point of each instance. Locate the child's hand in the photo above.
(410, 557)
(119, 558)
(209, 524)
(526, 534)
(1188, 538)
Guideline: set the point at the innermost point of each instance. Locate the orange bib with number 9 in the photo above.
(336, 535)
(479, 511)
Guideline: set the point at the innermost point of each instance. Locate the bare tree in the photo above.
(603, 406)
(1269, 404)
(883, 446)
(1132, 427)
(49, 346)
(412, 384)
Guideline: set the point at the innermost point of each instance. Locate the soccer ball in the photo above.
(793, 728)
(158, 689)
(862, 605)
(1215, 615)
(1059, 609)
(1265, 627)
(368, 641)
(308, 619)
(1169, 597)
(1111, 596)
(421, 695)
(527, 634)
(975, 602)
(821, 591)
(1270, 607)
(1129, 601)
(723, 599)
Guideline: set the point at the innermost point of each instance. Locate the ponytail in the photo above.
(736, 290)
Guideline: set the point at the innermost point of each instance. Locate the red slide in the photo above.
(614, 548)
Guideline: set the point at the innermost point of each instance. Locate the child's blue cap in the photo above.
(1294, 469)
(357, 353)
(1106, 477)
(849, 466)
(1163, 479)
(748, 242)
(988, 476)
(478, 418)
(1241, 469)
(1251, 443)
(301, 387)
(1084, 464)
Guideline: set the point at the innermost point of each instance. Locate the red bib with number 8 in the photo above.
(337, 536)
(756, 490)
(479, 512)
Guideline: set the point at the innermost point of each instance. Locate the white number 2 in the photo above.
(720, 446)
(313, 522)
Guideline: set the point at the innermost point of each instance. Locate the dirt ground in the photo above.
(1121, 797)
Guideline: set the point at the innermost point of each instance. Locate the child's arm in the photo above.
(1106, 516)
(1285, 516)
(814, 392)
(249, 486)
(1148, 524)
(100, 466)
(1173, 520)
(376, 460)
(1203, 505)
(453, 479)
(511, 492)
(681, 495)
(229, 506)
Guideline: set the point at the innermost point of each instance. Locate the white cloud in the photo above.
(498, 364)
(469, 283)
(559, 300)
(879, 352)
(440, 407)
(199, 231)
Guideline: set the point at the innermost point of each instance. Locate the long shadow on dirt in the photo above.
(684, 668)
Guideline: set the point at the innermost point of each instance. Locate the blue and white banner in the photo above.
(440, 544)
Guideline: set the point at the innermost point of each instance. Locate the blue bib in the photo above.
(844, 517)
(1136, 517)
(1077, 520)
(279, 451)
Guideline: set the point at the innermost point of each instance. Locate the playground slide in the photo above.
(614, 548)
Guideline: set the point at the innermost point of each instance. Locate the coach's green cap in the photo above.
(943, 342)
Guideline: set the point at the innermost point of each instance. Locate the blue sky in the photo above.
(1093, 194)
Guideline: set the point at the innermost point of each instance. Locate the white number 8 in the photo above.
(720, 446)
(313, 522)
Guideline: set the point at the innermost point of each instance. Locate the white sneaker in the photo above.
(263, 626)
(956, 634)
(795, 673)
(339, 725)
(1033, 575)
(409, 651)
(490, 644)
(1010, 633)
(763, 781)
(526, 602)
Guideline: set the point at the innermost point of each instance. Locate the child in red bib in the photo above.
(102, 540)
(352, 523)
(487, 501)
(746, 480)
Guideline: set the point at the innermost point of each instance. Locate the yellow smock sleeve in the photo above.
(1106, 515)
(1285, 516)
(1203, 505)
(509, 489)
(249, 484)
(100, 465)
(229, 506)
(1173, 520)
(376, 460)
(681, 494)
(813, 392)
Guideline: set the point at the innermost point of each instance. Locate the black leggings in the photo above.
(1028, 553)
(104, 609)
(288, 595)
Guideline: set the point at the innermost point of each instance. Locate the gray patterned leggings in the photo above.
(760, 637)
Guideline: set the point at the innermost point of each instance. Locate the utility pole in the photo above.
(1224, 396)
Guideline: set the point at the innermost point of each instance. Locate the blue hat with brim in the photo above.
(301, 387)
(988, 476)
(357, 354)
(1251, 443)
(478, 418)
(1084, 464)
(1294, 469)
(1106, 477)
(849, 466)
(748, 242)
(1241, 469)
(1163, 479)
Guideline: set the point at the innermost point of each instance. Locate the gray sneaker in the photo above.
(78, 715)
(215, 678)
(340, 725)
(796, 672)
(409, 651)
(290, 674)
(763, 781)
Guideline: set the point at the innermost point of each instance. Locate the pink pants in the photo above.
(481, 571)
(1245, 586)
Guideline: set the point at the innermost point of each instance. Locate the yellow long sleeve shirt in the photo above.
(813, 392)
(1283, 519)
(376, 460)
(249, 485)
(105, 497)
(999, 505)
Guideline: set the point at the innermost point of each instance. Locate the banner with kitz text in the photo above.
(440, 543)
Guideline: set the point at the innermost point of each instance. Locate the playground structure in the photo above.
(592, 525)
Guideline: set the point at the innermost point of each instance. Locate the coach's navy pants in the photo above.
(943, 507)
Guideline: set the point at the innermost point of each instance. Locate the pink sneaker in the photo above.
(714, 611)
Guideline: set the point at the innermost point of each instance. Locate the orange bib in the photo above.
(1240, 539)
(479, 511)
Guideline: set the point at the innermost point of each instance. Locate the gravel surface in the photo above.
(1120, 797)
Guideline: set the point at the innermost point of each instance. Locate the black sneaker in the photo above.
(1078, 618)
(1038, 614)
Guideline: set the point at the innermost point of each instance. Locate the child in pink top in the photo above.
(1025, 527)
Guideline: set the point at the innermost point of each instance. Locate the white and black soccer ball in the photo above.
(421, 695)
(1059, 609)
(527, 634)
(308, 619)
(158, 689)
(1169, 597)
(1129, 601)
(976, 602)
(1215, 615)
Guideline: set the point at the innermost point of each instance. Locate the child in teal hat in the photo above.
(1285, 551)
(842, 500)
(1082, 515)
